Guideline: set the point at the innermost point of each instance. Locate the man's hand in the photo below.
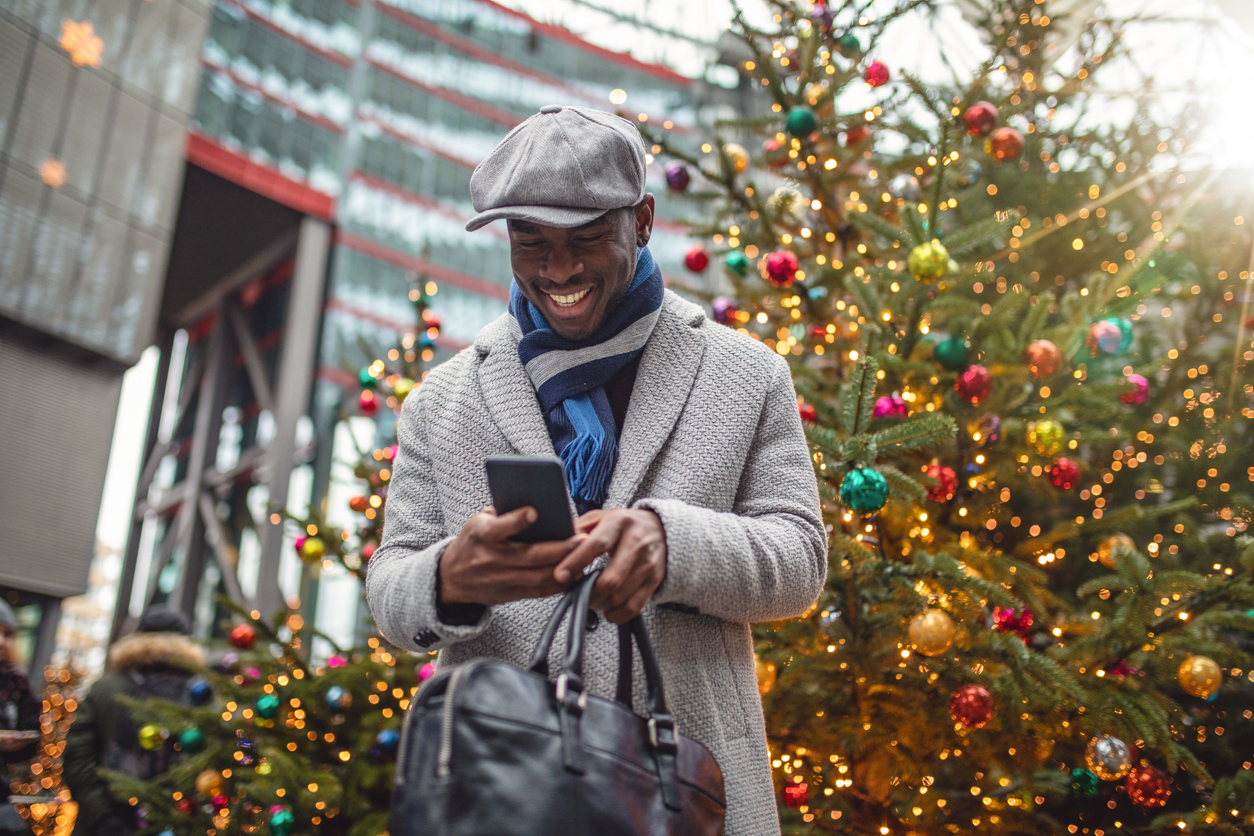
(482, 566)
(636, 545)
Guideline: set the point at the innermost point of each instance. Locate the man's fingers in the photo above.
(546, 555)
(589, 520)
(601, 539)
(504, 526)
(631, 609)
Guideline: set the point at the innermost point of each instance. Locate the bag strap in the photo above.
(662, 734)
(540, 658)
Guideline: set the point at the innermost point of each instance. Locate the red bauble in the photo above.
(185, 805)
(775, 152)
(368, 403)
(1147, 786)
(359, 503)
(1065, 474)
(807, 412)
(431, 319)
(243, 636)
(974, 384)
(855, 135)
(1043, 359)
(981, 119)
(875, 74)
(971, 706)
(368, 550)
(697, 259)
(796, 795)
(946, 482)
(1006, 144)
(781, 267)
(1011, 620)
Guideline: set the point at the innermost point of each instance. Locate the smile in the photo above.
(567, 301)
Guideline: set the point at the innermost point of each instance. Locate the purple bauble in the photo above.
(228, 662)
(822, 17)
(1105, 337)
(890, 406)
(989, 430)
(724, 310)
(677, 177)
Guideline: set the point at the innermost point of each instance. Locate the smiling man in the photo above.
(683, 449)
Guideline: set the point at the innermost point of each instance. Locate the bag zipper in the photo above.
(445, 761)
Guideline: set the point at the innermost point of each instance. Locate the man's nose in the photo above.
(560, 265)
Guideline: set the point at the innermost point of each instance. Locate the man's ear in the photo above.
(644, 220)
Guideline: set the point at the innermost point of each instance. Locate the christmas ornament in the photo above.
(971, 706)
(425, 671)
(1045, 437)
(973, 384)
(697, 259)
(210, 783)
(298, 542)
(1043, 359)
(932, 632)
(337, 661)
(801, 122)
(981, 119)
(797, 795)
(929, 262)
(267, 706)
(281, 822)
(875, 74)
(359, 503)
(737, 262)
(1109, 547)
(242, 636)
(1139, 393)
(677, 177)
(1125, 328)
(244, 744)
(368, 550)
(1199, 676)
(855, 135)
(987, 430)
(776, 153)
(724, 311)
(737, 155)
(229, 660)
(425, 341)
(946, 482)
(191, 740)
(199, 692)
(849, 46)
(402, 388)
(185, 805)
(387, 741)
(338, 698)
(807, 412)
(1064, 474)
(890, 406)
(1013, 620)
(864, 490)
(431, 320)
(1005, 144)
(952, 353)
(1108, 757)
(368, 403)
(1084, 784)
(366, 379)
(219, 801)
(152, 736)
(1147, 786)
(251, 675)
(766, 674)
(780, 268)
(313, 549)
(1104, 337)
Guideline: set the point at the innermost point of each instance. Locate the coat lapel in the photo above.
(667, 370)
(507, 390)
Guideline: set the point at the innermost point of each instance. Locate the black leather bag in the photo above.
(490, 749)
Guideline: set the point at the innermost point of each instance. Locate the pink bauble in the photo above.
(1139, 392)
(368, 403)
(889, 406)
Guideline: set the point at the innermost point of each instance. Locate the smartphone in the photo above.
(538, 481)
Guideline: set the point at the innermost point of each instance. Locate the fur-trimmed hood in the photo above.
(142, 650)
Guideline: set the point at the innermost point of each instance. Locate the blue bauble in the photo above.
(338, 698)
(864, 490)
(425, 341)
(199, 691)
(388, 741)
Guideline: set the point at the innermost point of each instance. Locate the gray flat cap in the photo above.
(564, 166)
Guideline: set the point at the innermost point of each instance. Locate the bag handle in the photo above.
(663, 737)
(540, 658)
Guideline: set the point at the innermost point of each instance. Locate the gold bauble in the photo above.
(738, 156)
(152, 736)
(402, 388)
(929, 262)
(766, 674)
(1199, 676)
(1045, 437)
(932, 632)
(313, 549)
(210, 783)
(1114, 543)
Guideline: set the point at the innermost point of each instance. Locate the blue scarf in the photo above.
(570, 376)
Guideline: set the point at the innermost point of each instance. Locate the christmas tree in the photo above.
(1014, 334)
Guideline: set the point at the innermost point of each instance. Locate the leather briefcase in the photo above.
(488, 749)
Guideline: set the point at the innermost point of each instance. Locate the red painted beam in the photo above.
(209, 154)
(419, 265)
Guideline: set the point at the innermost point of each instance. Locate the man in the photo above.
(682, 444)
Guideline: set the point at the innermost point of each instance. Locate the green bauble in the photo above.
(1045, 437)
(801, 122)
(268, 707)
(1125, 328)
(192, 740)
(848, 45)
(864, 490)
(366, 379)
(281, 823)
(1084, 784)
(952, 353)
(929, 262)
(737, 262)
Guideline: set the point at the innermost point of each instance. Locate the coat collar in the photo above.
(668, 367)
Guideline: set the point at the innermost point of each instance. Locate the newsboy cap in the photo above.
(564, 166)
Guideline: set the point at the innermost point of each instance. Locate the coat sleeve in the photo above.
(401, 578)
(83, 745)
(767, 558)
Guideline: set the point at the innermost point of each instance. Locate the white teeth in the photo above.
(567, 301)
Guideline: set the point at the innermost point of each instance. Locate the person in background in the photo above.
(156, 660)
(19, 715)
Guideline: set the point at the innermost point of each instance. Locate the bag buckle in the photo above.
(665, 740)
(563, 686)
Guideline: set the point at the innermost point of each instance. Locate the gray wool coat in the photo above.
(712, 443)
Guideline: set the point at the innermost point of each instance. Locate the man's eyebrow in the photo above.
(595, 222)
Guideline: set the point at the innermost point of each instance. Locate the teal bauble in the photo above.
(864, 490)
(366, 379)
(1125, 329)
(268, 707)
(192, 740)
(848, 45)
(801, 122)
(1084, 784)
(281, 823)
(952, 353)
(737, 262)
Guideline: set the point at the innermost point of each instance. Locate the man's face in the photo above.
(577, 276)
